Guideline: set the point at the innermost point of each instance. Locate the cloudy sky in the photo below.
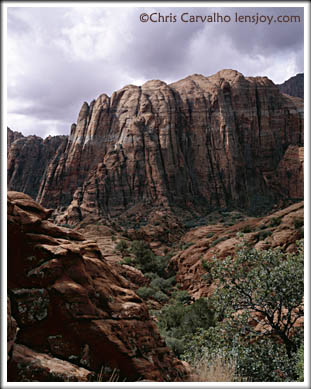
(58, 58)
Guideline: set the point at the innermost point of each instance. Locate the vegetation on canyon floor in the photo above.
(246, 328)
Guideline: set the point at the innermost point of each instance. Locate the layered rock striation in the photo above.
(201, 141)
(70, 314)
(294, 86)
(29, 158)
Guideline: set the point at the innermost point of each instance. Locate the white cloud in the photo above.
(60, 57)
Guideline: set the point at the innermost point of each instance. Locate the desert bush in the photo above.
(247, 281)
(262, 235)
(269, 283)
(177, 319)
(275, 221)
(160, 296)
(151, 275)
(298, 222)
(207, 277)
(246, 229)
(205, 264)
(210, 235)
(146, 260)
(127, 261)
(122, 246)
(300, 363)
(158, 283)
(219, 240)
(216, 369)
(186, 245)
(175, 344)
(182, 296)
(145, 292)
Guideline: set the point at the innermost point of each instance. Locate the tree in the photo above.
(256, 287)
(264, 286)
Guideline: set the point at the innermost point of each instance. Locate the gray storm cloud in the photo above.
(59, 57)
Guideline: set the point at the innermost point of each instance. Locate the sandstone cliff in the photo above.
(199, 142)
(29, 158)
(76, 316)
(294, 86)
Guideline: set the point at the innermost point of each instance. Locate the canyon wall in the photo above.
(202, 141)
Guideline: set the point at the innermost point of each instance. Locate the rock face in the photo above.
(76, 315)
(202, 141)
(29, 158)
(12, 136)
(280, 229)
(294, 86)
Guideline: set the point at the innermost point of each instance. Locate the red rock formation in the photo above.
(289, 173)
(12, 136)
(75, 313)
(199, 141)
(294, 86)
(29, 158)
(280, 229)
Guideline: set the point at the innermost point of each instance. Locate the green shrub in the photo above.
(186, 245)
(145, 292)
(207, 277)
(158, 283)
(127, 261)
(219, 240)
(246, 229)
(262, 235)
(300, 363)
(205, 265)
(182, 296)
(176, 320)
(257, 360)
(210, 235)
(146, 260)
(122, 246)
(298, 222)
(175, 344)
(170, 282)
(150, 275)
(275, 221)
(244, 286)
(160, 296)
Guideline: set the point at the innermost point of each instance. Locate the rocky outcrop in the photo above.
(12, 136)
(11, 329)
(29, 158)
(294, 86)
(199, 142)
(76, 315)
(280, 229)
(289, 177)
(30, 366)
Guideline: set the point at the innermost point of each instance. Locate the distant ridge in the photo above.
(293, 86)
